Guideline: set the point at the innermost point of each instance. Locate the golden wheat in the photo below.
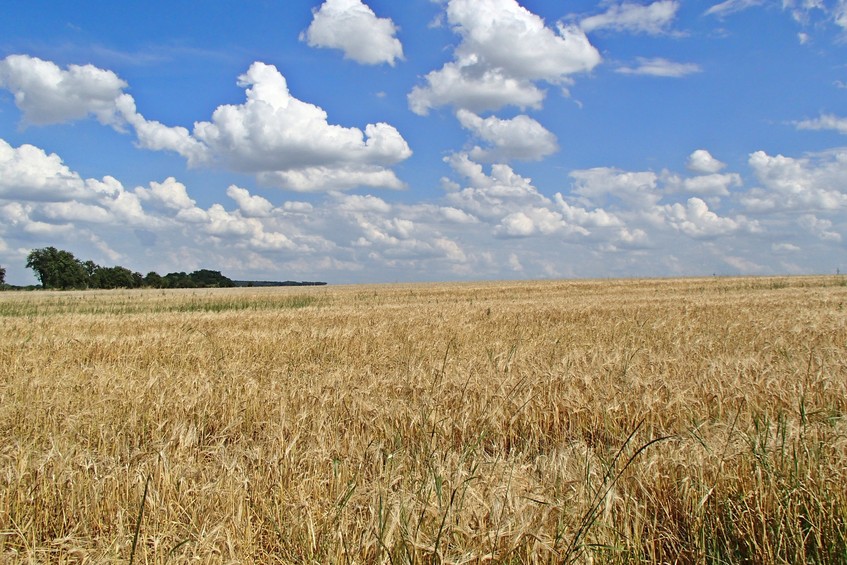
(695, 421)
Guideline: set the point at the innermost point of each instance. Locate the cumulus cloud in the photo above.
(366, 203)
(514, 208)
(28, 173)
(519, 138)
(169, 195)
(290, 143)
(641, 205)
(397, 235)
(47, 94)
(602, 185)
(156, 136)
(529, 222)
(58, 212)
(702, 162)
(489, 89)
(580, 216)
(696, 220)
(284, 141)
(57, 194)
(505, 49)
(814, 182)
(819, 227)
(492, 196)
(629, 17)
(490, 222)
(457, 216)
(660, 67)
(352, 26)
(704, 185)
(52, 199)
(250, 205)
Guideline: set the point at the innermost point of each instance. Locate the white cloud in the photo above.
(60, 212)
(814, 182)
(352, 26)
(660, 67)
(59, 195)
(492, 223)
(490, 89)
(531, 221)
(457, 216)
(840, 14)
(289, 143)
(505, 49)
(518, 138)
(170, 194)
(515, 263)
(702, 162)
(637, 190)
(514, 208)
(250, 206)
(492, 197)
(582, 217)
(28, 173)
(824, 122)
(328, 178)
(126, 208)
(395, 235)
(731, 6)
(366, 203)
(694, 219)
(156, 136)
(743, 264)
(283, 141)
(629, 17)
(452, 250)
(704, 185)
(297, 207)
(46, 94)
(785, 248)
(819, 228)
(802, 11)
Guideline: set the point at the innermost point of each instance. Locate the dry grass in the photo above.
(506, 422)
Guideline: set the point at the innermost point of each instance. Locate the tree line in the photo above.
(59, 269)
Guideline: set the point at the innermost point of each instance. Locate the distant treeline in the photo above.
(278, 283)
(59, 269)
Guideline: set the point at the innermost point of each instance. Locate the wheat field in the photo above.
(656, 421)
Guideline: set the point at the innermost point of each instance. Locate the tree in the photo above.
(2, 276)
(57, 269)
(207, 278)
(178, 280)
(153, 280)
(90, 268)
(114, 277)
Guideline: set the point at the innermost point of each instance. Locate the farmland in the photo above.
(690, 420)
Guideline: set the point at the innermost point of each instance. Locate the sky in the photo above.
(367, 141)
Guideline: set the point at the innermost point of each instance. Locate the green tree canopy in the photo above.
(207, 278)
(153, 280)
(56, 268)
(114, 277)
(2, 276)
(60, 269)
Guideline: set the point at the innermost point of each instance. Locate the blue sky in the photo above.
(374, 141)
